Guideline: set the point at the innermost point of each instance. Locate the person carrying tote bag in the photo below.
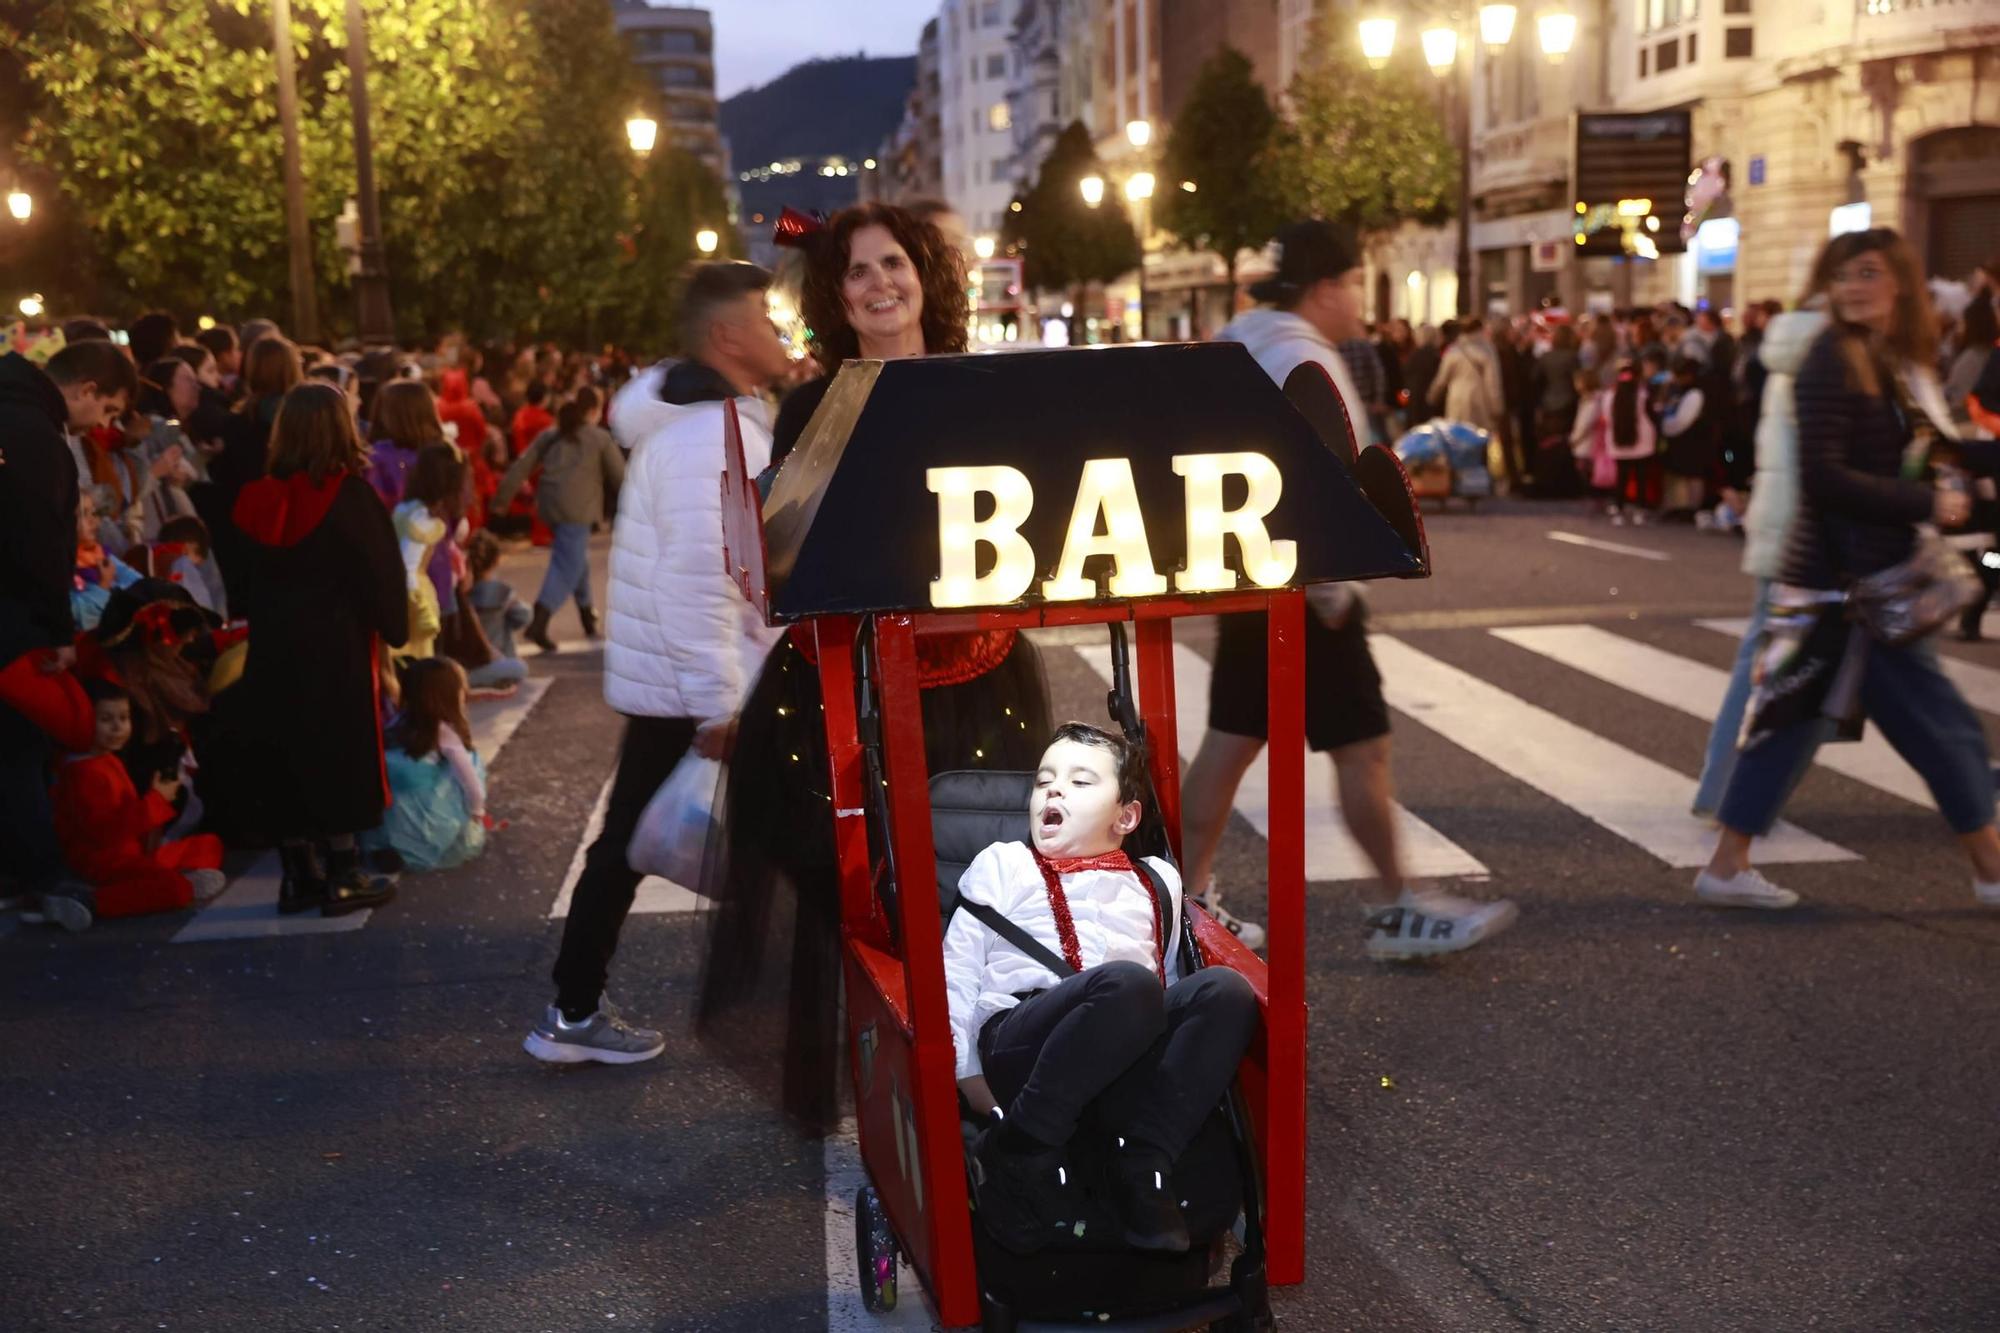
(1866, 496)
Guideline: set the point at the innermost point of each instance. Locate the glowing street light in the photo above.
(642, 132)
(1138, 133)
(706, 240)
(1093, 189)
(983, 247)
(1496, 25)
(205, 323)
(1440, 49)
(1140, 186)
(1558, 33)
(20, 204)
(1378, 40)
(31, 306)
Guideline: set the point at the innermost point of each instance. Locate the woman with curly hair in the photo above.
(880, 282)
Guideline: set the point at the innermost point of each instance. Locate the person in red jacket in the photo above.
(111, 835)
(456, 409)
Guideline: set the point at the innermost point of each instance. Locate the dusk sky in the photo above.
(757, 40)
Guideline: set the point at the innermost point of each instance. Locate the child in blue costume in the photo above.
(438, 817)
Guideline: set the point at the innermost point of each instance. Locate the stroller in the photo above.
(857, 539)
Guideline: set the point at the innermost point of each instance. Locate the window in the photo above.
(989, 14)
(1666, 56)
(1691, 48)
(997, 173)
(998, 117)
(1643, 71)
(996, 67)
(682, 76)
(1736, 6)
(978, 120)
(1736, 44)
(975, 69)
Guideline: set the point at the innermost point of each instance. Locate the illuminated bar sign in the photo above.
(1039, 477)
(1631, 176)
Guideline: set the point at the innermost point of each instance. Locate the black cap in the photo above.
(1308, 252)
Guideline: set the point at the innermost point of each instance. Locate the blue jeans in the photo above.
(1921, 714)
(1720, 760)
(569, 568)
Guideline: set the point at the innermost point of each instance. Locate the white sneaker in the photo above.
(1988, 894)
(1423, 922)
(1747, 889)
(1248, 932)
(1617, 518)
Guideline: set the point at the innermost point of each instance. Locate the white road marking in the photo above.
(248, 908)
(1697, 689)
(844, 1311)
(1616, 548)
(1980, 685)
(1640, 800)
(1331, 853)
(655, 895)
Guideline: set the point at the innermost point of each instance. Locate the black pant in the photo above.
(29, 853)
(1148, 1064)
(603, 897)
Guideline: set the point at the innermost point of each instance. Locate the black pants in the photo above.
(1147, 1064)
(29, 853)
(603, 897)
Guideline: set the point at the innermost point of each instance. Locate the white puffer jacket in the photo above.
(683, 641)
(1774, 491)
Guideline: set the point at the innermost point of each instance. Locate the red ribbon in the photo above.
(795, 229)
(1053, 869)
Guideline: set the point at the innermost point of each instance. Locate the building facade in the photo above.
(975, 115)
(910, 163)
(675, 47)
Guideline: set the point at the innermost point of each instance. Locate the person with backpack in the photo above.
(1630, 442)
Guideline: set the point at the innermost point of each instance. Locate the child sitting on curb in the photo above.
(500, 610)
(438, 817)
(1117, 1037)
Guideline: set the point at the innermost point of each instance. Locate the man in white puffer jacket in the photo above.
(683, 644)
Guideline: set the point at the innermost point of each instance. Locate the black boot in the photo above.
(537, 632)
(1020, 1194)
(1142, 1190)
(349, 888)
(589, 619)
(302, 888)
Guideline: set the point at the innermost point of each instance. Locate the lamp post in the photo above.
(1440, 40)
(642, 132)
(375, 322)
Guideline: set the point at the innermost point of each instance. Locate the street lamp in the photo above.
(20, 204)
(642, 132)
(1496, 25)
(1140, 186)
(983, 247)
(706, 240)
(1440, 49)
(1093, 189)
(1558, 32)
(31, 306)
(1138, 133)
(1378, 40)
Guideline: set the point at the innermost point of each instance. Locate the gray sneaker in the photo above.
(56, 909)
(603, 1037)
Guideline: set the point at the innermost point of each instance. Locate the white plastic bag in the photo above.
(672, 836)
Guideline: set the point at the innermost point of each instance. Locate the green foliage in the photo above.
(1222, 141)
(507, 192)
(1366, 147)
(1063, 241)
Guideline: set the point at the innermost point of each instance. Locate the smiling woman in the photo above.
(881, 283)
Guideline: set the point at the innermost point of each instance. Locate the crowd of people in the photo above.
(203, 532)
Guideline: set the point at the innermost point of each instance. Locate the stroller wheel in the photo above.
(875, 1251)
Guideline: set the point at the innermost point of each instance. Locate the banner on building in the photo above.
(1631, 178)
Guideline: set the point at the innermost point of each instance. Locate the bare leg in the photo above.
(1367, 802)
(1732, 854)
(1983, 848)
(1208, 793)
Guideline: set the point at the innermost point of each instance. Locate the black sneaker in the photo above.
(1022, 1198)
(349, 888)
(1142, 1190)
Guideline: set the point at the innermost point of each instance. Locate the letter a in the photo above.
(1106, 488)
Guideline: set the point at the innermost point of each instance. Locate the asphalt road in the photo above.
(1630, 1113)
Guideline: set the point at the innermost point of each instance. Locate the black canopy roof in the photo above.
(851, 526)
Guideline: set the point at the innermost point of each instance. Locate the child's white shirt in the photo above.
(983, 972)
(459, 759)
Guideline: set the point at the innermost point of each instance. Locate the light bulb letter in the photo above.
(959, 582)
(1270, 564)
(1107, 488)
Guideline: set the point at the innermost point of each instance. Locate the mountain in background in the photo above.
(841, 107)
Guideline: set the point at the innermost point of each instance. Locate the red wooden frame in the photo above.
(900, 1050)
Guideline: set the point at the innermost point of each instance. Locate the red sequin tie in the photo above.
(1053, 869)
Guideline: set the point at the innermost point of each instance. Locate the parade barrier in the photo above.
(1120, 486)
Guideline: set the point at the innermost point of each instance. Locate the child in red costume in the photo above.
(110, 834)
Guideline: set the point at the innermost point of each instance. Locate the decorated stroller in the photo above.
(1123, 487)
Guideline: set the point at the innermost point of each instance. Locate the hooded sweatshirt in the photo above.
(682, 641)
(1282, 341)
(1774, 494)
(38, 490)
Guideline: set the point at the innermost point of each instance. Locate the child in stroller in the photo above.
(1070, 1014)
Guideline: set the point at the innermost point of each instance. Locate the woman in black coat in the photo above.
(325, 594)
(270, 369)
(1864, 487)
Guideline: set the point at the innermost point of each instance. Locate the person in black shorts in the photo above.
(1313, 302)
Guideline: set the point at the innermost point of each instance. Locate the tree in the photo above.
(1365, 147)
(1063, 241)
(675, 196)
(1222, 143)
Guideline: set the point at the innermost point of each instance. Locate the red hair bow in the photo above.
(796, 229)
